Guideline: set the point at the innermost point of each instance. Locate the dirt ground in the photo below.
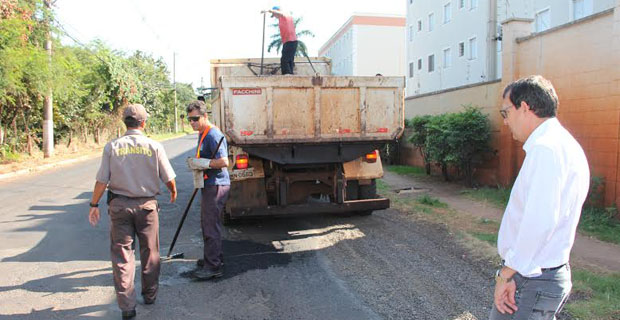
(587, 252)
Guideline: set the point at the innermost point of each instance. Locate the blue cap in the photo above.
(276, 8)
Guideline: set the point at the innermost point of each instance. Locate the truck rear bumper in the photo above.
(301, 209)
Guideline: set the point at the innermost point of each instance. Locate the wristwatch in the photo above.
(499, 279)
(93, 205)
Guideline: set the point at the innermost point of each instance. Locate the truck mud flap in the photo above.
(303, 209)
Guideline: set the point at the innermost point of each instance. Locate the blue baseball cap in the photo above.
(276, 8)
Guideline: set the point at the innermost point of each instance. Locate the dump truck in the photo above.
(303, 143)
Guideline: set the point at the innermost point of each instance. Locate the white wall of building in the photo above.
(366, 49)
(380, 49)
(467, 25)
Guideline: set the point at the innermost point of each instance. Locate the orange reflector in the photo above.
(382, 130)
(372, 157)
(242, 161)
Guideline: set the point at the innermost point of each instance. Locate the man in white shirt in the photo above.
(540, 221)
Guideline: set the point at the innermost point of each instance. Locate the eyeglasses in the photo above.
(193, 119)
(504, 112)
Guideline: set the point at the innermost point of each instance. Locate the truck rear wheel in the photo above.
(367, 191)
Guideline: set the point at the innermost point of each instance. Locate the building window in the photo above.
(447, 12)
(431, 22)
(431, 63)
(543, 19)
(447, 58)
(410, 69)
(473, 49)
(473, 4)
(461, 49)
(581, 8)
(410, 33)
(420, 64)
(461, 4)
(419, 25)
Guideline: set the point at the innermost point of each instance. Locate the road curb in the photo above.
(21, 172)
(62, 163)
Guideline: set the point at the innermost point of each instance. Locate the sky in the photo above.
(198, 31)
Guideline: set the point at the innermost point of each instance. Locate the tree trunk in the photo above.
(27, 131)
(97, 133)
(70, 138)
(444, 171)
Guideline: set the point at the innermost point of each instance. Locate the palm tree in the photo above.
(276, 41)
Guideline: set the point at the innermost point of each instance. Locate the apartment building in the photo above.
(368, 44)
(454, 43)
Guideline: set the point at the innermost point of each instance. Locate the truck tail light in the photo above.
(242, 161)
(372, 157)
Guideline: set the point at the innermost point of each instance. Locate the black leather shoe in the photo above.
(206, 274)
(129, 314)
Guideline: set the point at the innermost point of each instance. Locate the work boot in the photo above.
(201, 262)
(203, 274)
(129, 314)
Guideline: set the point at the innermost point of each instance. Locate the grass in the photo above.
(165, 136)
(382, 187)
(495, 196)
(490, 238)
(407, 170)
(431, 201)
(600, 223)
(596, 296)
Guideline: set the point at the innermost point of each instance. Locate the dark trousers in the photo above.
(130, 217)
(211, 209)
(287, 62)
(539, 298)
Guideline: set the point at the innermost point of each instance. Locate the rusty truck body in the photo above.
(303, 143)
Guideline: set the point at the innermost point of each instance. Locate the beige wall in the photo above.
(582, 60)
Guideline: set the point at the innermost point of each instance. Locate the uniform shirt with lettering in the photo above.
(133, 165)
(215, 177)
(539, 224)
(287, 28)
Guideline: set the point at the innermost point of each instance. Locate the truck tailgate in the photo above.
(310, 109)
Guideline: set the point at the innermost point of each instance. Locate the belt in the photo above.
(543, 269)
(552, 269)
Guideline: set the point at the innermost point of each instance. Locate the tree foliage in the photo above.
(90, 83)
(458, 139)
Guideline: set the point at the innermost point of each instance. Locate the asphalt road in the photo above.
(54, 265)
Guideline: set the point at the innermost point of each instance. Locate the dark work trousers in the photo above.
(539, 298)
(211, 209)
(287, 62)
(130, 217)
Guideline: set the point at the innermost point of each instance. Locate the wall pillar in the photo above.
(511, 30)
(614, 91)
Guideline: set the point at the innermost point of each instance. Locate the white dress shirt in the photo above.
(540, 221)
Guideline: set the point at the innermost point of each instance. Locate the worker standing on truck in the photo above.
(131, 168)
(215, 191)
(289, 39)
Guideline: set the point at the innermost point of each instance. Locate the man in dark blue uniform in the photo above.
(215, 191)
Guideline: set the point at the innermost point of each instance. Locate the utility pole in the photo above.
(176, 115)
(48, 120)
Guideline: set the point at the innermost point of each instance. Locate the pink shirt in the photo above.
(287, 28)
